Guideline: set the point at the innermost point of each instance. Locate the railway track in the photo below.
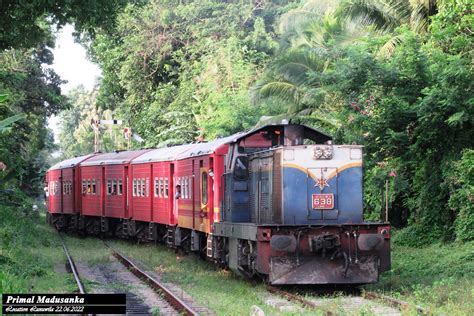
(373, 296)
(181, 304)
(72, 267)
(171, 304)
(393, 302)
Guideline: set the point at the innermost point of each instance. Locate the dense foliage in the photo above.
(25, 24)
(177, 70)
(395, 76)
(412, 109)
(29, 89)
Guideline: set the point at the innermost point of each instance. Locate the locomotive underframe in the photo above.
(344, 254)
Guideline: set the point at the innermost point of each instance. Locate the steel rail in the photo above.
(174, 300)
(72, 265)
(293, 297)
(393, 302)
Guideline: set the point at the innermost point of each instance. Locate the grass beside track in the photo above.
(438, 277)
(31, 256)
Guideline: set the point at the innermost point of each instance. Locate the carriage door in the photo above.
(124, 187)
(322, 193)
(173, 206)
(61, 190)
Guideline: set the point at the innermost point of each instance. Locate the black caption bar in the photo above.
(64, 303)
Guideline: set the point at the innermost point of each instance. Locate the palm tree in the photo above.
(311, 38)
(386, 16)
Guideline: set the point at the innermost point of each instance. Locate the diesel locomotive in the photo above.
(279, 202)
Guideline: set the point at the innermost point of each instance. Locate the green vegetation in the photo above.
(31, 257)
(438, 277)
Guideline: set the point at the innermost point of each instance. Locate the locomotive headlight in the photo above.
(322, 152)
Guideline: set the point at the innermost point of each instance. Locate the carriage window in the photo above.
(89, 186)
(119, 187)
(147, 186)
(166, 188)
(155, 185)
(113, 187)
(143, 187)
(109, 189)
(185, 187)
(134, 191)
(84, 187)
(94, 187)
(161, 188)
(204, 188)
(190, 187)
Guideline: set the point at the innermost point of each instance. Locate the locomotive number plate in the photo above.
(323, 201)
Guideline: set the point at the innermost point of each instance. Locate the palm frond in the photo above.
(10, 120)
(384, 16)
(419, 19)
(389, 47)
(285, 91)
(297, 64)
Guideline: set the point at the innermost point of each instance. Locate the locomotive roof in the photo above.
(114, 158)
(309, 132)
(69, 163)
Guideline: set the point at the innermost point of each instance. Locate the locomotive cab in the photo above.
(293, 209)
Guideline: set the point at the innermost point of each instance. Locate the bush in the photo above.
(461, 200)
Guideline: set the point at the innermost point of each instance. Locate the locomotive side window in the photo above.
(241, 170)
(204, 188)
